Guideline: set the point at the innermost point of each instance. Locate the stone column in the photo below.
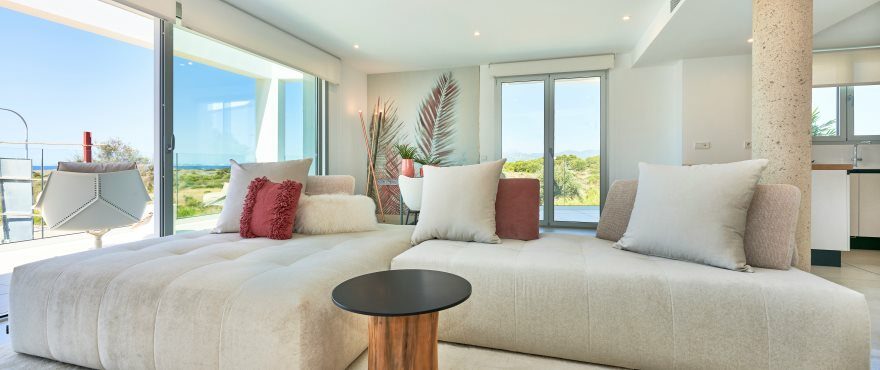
(782, 74)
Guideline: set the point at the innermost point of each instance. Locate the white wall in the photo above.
(347, 155)
(490, 133)
(644, 118)
(716, 108)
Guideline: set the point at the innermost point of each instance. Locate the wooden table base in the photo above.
(403, 342)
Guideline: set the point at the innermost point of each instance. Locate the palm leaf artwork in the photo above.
(436, 127)
(388, 160)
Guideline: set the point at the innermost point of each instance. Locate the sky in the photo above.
(577, 117)
(866, 107)
(65, 81)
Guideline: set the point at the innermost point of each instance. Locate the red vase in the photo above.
(407, 168)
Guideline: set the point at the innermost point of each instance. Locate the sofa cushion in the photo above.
(96, 167)
(575, 297)
(770, 225)
(617, 210)
(517, 209)
(693, 213)
(329, 184)
(269, 209)
(335, 213)
(458, 203)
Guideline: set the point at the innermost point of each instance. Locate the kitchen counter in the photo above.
(831, 167)
(864, 170)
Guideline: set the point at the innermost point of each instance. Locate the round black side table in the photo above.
(404, 307)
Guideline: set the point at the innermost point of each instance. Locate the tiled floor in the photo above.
(860, 272)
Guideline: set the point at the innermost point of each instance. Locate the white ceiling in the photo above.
(401, 35)
(707, 28)
(398, 35)
(862, 29)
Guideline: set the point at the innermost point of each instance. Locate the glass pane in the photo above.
(300, 105)
(522, 131)
(825, 112)
(576, 149)
(66, 71)
(230, 104)
(866, 110)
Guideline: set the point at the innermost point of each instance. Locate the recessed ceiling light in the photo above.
(750, 40)
(356, 46)
(626, 18)
(476, 33)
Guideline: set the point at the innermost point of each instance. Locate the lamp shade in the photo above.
(91, 201)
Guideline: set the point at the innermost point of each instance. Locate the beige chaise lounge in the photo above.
(201, 301)
(576, 297)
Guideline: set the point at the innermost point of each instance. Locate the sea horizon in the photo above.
(182, 167)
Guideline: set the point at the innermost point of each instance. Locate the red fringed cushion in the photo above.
(269, 209)
(516, 209)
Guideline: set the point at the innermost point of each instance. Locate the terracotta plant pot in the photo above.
(407, 168)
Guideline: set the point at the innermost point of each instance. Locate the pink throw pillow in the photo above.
(269, 209)
(516, 209)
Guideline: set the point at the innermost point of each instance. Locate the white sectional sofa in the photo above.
(202, 301)
(577, 297)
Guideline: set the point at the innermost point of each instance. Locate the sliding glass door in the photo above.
(522, 139)
(230, 104)
(552, 129)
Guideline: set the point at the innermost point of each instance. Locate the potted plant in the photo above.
(426, 161)
(407, 157)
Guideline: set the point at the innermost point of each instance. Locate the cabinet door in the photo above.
(869, 204)
(830, 211)
(854, 204)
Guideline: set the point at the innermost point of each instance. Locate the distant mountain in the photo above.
(518, 156)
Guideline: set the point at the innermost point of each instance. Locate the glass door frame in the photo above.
(549, 81)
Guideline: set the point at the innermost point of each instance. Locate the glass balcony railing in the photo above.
(23, 175)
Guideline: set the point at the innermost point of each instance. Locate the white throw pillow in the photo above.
(458, 203)
(241, 176)
(335, 213)
(693, 213)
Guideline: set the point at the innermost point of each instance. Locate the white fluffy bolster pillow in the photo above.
(335, 213)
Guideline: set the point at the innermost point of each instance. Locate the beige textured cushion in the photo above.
(458, 203)
(618, 207)
(330, 184)
(770, 229)
(96, 167)
(770, 225)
